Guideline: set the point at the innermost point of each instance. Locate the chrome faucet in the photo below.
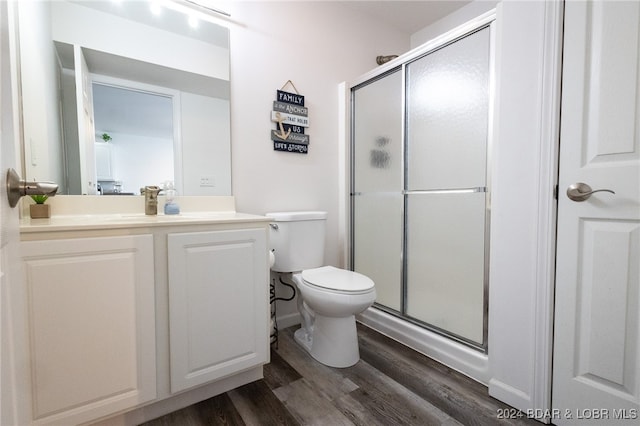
(150, 199)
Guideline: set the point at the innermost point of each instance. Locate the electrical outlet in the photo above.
(34, 153)
(207, 181)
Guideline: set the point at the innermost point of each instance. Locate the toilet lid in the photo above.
(337, 279)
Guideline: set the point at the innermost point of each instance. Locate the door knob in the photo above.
(581, 191)
(17, 188)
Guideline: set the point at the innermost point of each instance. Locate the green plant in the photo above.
(39, 199)
(105, 137)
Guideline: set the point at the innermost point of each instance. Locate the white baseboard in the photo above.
(182, 400)
(288, 320)
(509, 395)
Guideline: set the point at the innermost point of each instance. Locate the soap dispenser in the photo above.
(170, 206)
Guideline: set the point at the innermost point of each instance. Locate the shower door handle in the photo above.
(581, 191)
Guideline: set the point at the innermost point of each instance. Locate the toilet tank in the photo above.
(298, 240)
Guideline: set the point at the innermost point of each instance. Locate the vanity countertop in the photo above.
(132, 220)
(86, 212)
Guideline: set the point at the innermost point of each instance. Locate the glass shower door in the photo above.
(377, 200)
(446, 200)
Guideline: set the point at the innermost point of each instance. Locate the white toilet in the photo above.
(329, 298)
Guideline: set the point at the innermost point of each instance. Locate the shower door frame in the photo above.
(400, 64)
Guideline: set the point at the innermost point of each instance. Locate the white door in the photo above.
(13, 372)
(596, 364)
(86, 126)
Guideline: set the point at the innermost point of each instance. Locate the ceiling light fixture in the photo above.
(155, 8)
(198, 9)
(193, 22)
(198, 5)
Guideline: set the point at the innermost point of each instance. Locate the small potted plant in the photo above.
(40, 210)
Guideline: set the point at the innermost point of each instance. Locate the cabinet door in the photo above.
(91, 326)
(103, 161)
(218, 304)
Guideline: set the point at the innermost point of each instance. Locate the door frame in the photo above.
(548, 207)
(529, 346)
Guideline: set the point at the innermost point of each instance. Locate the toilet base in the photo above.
(333, 341)
(301, 337)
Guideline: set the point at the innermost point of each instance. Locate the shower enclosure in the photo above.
(420, 188)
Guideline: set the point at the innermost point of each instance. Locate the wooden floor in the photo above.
(390, 385)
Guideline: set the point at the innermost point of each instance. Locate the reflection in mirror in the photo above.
(131, 127)
(158, 88)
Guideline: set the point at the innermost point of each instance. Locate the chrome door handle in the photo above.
(581, 191)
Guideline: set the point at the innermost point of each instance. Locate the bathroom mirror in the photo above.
(118, 95)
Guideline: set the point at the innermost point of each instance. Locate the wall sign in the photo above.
(291, 118)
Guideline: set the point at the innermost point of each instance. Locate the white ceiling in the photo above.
(408, 16)
(118, 110)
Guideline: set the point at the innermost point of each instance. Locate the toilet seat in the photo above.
(329, 278)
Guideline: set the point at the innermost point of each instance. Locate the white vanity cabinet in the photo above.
(217, 304)
(130, 317)
(91, 326)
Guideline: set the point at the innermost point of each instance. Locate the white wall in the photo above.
(76, 24)
(316, 45)
(206, 147)
(129, 165)
(451, 21)
(523, 206)
(42, 131)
